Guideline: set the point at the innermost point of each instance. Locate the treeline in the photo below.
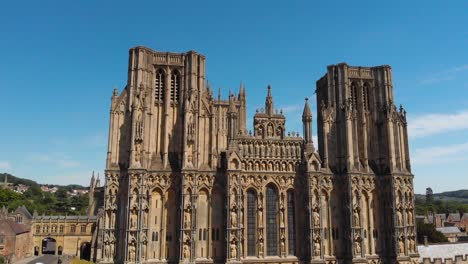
(16, 180)
(439, 206)
(34, 199)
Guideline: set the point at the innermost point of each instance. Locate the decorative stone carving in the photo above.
(188, 216)
(233, 217)
(317, 246)
(316, 218)
(357, 245)
(356, 217)
(131, 252)
(186, 253)
(401, 245)
(399, 218)
(233, 249)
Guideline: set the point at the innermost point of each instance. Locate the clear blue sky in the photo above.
(61, 59)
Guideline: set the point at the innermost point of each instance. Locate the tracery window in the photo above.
(272, 221)
(251, 222)
(291, 224)
(54, 229)
(159, 85)
(175, 86)
(72, 229)
(38, 229)
(61, 229)
(83, 229)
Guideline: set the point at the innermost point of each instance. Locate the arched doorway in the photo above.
(48, 246)
(60, 250)
(85, 251)
(36, 251)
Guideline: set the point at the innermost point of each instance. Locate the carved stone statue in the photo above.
(187, 218)
(131, 252)
(356, 217)
(107, 250)
(186, 252)
(317, 247)
(357, 246)
(316, 217)
(260, 245)
(233, 249)
(133, 219)
(411, 244)
(401, 245)
(233, 218)
(399, 218)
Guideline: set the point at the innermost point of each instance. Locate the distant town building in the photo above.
(15, 234)
(21, 188)
(452, 233)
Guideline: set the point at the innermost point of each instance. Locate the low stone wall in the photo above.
(457, 260)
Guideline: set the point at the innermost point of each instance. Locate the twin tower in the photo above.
(187, 183)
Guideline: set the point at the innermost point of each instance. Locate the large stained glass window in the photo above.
(291, 225)
(251, 223)
(272, 221)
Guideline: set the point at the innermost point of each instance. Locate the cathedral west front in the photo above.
(186, 182)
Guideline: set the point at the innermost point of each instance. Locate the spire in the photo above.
(269, 102)
(232, 108)
(307, 125)
(241, 91)
(98, 182)
(307, 112)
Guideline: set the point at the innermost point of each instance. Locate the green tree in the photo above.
(433, 236)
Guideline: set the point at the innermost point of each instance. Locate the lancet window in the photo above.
(366, 96)
(291, 224)
(354, 94)
(175, 86)
(272, 221)
(159, 86)
(251, 222)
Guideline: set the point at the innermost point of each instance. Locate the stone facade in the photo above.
(187, 183)
(71, 235)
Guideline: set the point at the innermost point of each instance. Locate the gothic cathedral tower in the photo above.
(363, 141)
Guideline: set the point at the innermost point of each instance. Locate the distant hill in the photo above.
(17, 180)
(457, 196)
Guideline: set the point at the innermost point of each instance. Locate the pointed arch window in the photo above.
(159, 86)
(291, 224)
(366, 97)
(272, 221)
(354, 94)
(175, 86)
(251, 223)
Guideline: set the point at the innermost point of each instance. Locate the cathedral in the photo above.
(186, 182)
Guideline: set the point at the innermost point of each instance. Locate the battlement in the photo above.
(459, 259)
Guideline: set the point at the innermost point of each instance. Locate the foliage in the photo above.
(34, 199)
(440, 207)
(58, 203)
(80, 261)
(433, 236)
(2, 259)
